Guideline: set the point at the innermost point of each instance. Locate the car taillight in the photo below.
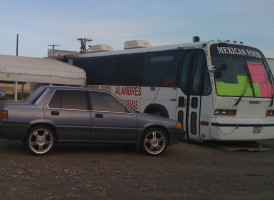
(270, 113)
(4, 114)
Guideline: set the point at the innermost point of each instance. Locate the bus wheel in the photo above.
(157, 113)
(156, 109)
(154, 142)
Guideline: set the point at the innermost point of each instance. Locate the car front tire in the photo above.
(154, 142)
(40, 140)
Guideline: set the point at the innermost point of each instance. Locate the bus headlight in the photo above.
(269, 113)
(225, 112)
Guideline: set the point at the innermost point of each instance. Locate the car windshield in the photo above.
(241, 73)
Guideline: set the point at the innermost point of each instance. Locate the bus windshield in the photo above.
(241, 71)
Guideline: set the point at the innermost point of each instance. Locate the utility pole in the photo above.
(53, 45)
(51, 51)
(83, 42)
(17, 44)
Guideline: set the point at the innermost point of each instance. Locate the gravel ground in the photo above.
(184, 171)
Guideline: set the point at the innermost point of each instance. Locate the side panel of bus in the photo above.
(165, 83)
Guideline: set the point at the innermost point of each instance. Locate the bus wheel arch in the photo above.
(157, 109)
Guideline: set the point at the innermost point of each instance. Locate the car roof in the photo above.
(75, 88)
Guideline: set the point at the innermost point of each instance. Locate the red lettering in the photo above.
(139, 91)
(128, 90)
(170, 81)
(106, 87)
(117, 90)
(95, 86)
(131, 103)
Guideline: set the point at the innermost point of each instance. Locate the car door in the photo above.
(68, 110)
(111, 120)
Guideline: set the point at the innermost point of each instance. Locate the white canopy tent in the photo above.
(39, 70)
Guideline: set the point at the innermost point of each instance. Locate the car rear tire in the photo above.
(40, 140)
(154, 142)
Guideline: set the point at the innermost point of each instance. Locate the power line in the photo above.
(213, 24)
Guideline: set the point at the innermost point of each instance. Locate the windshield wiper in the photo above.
(240, 98)
(270, 77)
(248, 80)
(272, 96)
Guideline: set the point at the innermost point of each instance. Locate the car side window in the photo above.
(102, 101)
(69, 99)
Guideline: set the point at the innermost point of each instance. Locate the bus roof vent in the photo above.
(100, 48)
(132, 44)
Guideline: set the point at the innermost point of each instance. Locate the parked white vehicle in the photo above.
(217, 90)
(271, 63)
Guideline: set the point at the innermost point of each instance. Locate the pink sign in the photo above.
(259, 76)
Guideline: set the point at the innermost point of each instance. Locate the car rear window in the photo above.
(36, 95)
(69, 99)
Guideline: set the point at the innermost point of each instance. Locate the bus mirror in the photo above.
(223, 67)
(218, 71)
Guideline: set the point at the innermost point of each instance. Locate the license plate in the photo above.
(257, 130)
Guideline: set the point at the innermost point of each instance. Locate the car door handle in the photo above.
(99, 115)
(54, 113)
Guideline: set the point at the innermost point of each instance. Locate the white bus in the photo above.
(271, 63)
(218, 90)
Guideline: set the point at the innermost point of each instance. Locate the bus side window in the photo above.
(99, 70)
(130, 69)
(201, 82)
(183, 84)
(206, 90)
(199, 62)
(102, 70)
(161, 69)
(84, 64)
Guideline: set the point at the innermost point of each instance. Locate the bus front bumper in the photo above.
(242, 129)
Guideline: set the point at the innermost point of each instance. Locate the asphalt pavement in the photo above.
(184, 171)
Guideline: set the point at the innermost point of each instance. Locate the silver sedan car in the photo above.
(72, 114)
(2, 94)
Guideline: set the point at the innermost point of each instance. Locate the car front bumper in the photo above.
(175, 135)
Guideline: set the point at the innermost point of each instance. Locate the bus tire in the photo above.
(157, 110)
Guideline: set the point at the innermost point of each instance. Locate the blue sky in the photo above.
(41, 23)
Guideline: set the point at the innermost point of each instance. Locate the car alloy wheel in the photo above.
(154, 142)
(40, 140)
